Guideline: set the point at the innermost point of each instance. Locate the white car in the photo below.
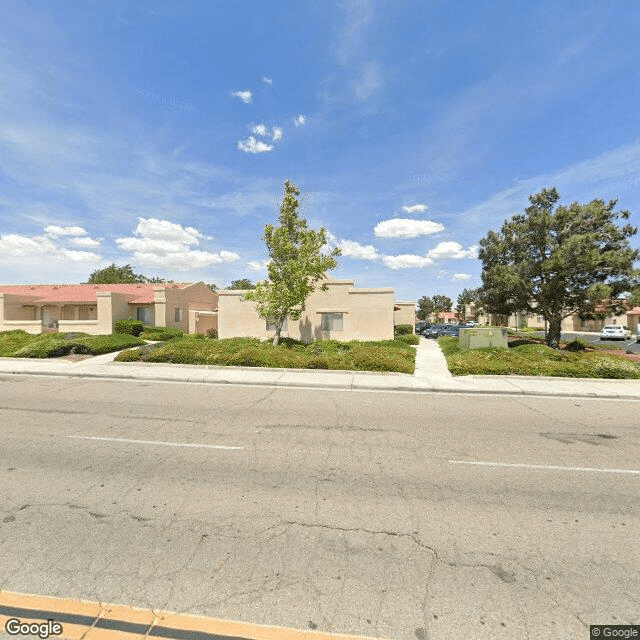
(615, 332)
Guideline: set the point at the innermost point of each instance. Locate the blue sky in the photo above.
(160, 133)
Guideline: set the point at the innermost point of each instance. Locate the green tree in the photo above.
(243, 283)
(296, 263)
(441, 303)
(425, 308)
(115, 274)
(465, 297)
(558, 260)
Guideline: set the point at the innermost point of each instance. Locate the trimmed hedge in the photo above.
(161, 333)
(412, 338)
(402, 329)
(132, 327)
(387, 355)
(54, 345)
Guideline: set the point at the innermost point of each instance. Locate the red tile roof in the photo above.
(86, 293)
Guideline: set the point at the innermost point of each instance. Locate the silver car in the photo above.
(615, 332)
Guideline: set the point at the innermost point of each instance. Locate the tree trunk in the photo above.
(279, 325)
(555, 329)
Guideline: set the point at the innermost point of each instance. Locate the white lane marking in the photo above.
(543, 466)
(165, 444)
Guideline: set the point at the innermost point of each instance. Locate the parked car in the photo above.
(452, 330)
(433, 330)
(615, 332)
(421, 325)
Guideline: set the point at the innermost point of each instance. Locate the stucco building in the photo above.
(343, 312)
(93, 308)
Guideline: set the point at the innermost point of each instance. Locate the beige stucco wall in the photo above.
(111, 307)
(196, 297)
(84, 326)
(202, 321)
(367, 315)
(406, 314)
(12, 307)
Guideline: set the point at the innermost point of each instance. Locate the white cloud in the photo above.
(17, 245)
(85, 241)
(276, 134)
(245, 96)
(300, 120)
(186, 261)
(41, 247)
(161, 243)
(267, 80)
(452, 250)
(407, 261)
(415, 208)
(406, 228)
(80, 256)
(256, 265)
(259, 129)
(54, 231)
(251, 145)
(461, 276)
(353, 249)
(166, 230)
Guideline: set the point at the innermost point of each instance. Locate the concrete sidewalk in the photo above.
(431, 375)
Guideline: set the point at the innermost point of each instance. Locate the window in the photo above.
(332, 321)
(539, 318)
(145, 315)
(179, 315)
(271, 324)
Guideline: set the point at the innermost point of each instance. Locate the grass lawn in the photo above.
(388, 355)
(20, 344)
(536, 359)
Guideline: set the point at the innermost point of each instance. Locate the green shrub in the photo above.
(319, 362)
(12, 341)
(212, 333)
(55, 345)
(619, 369)
(576, 345)
(409, 339)
(161, 333)
(132, 327)
(129, 355)
(402, 329)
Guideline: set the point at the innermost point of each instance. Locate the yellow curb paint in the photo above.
(137, 615)
(47, 603)
(130, 614)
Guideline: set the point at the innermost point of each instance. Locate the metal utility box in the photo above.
(478, 337)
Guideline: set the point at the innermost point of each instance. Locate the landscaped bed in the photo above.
(20, 344)
(388, 355)
(532, 357)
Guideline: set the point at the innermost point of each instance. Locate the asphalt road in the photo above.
(370, 513)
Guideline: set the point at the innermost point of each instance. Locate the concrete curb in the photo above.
(307, 384)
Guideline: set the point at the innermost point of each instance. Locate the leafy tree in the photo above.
(243, 283)
(558, 260)
(212, 286)
(465, 297)
(425, 308)
(114, 274)
(441, 303)
(296, 264)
